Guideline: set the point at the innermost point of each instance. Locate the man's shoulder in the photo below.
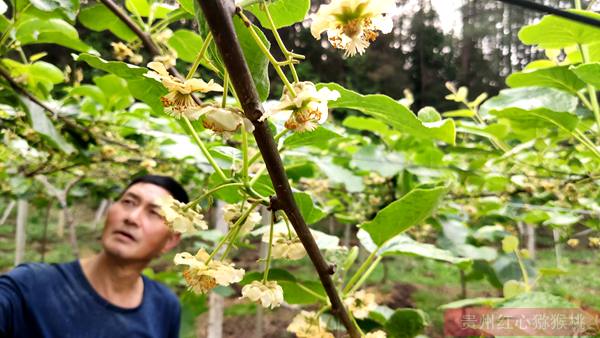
(31, 274)
(160, 291)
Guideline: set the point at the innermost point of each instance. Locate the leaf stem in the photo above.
(282, 46)
(361, 270)
(270, 248)
(238, 227)
(225, 90)
(316, 295)
(365, 275)
(585, 58)
(256, 156)
(523, 270)
(267, 53)
(244, 154)
(210, 192)
(204, 150)
(199, 57)
(580, 136)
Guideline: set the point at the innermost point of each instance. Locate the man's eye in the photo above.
(127, 202)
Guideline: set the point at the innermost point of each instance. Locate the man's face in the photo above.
(134, 228)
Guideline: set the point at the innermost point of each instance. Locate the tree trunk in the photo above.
(60, 224)
(45, 235)
(7, 212)
(70, 223)
(531, 240)
(557, 248)
(100, 213)
(216, 301)
(262, 251)
(22, 210)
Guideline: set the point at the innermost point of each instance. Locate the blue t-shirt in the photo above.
(42, 301)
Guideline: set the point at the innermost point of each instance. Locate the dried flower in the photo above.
(308, 108)
(179, 101)
(168, 60)
(353, 24)
(179, 218)
(224, 120)
(376, 334)
(121, 51)
(361, 303)
(306, 324)
(269, 294)
(202, 277)
(232, 212)
(285, 246)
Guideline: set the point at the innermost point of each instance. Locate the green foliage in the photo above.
(404, 213)
(406, 323)
(392, 113)
(284, 12)
(35, 30)
(99, 18)
(556, 32)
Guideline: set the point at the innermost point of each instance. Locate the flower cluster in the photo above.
(285, 246)
(269, 294)
(361, 303)
(232, 213)
(201, 276)
(122, 52)
(376, 334)
(307, 325)
(308, 107)
(179, 218)
(352, 25)
(179, 102)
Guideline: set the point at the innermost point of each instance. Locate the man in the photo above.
(104, 295)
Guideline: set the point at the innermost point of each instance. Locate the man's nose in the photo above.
(134, 216)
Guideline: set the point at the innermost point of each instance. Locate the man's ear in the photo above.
(172, 242)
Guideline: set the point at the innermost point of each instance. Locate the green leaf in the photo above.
(310, 212)
(459, 113)
(341, 175)
(528, 98)
(68, 7)
(187, 5)
(42, 124)
(555, 32)
(555, 77)
(540, 118)
(392, 113)
(374, 158)
(284, 12)
(140, 86)
(406, 323)
(366, 123)
(57, 31)
(404, 213)
(99, 18)
(319, 138)
(186, 43)
(89, 91)
(589, 73)
(402, 245)
(484, 301)
(115, 90)
(138, 7)
(255, 58)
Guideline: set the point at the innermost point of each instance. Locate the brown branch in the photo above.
(219, 14)
(144, 37)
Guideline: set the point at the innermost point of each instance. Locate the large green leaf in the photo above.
(369, 124)
(406, 246)
(539, 118)
(98, 18)
(68, 7)
(556, 32)
(42, 124)
(140, 86)
(392, 113)
(186, 43)
(528, 98)
(406, 323)
(34, 30)
(255, 58)
(555, 77)
(115, 90)
(317, 138)
(404, 213)
(310, 212)
(339, 174)
(283, 12)
(589, 73)
(373, 158)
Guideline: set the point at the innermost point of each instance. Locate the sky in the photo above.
(448, 12)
